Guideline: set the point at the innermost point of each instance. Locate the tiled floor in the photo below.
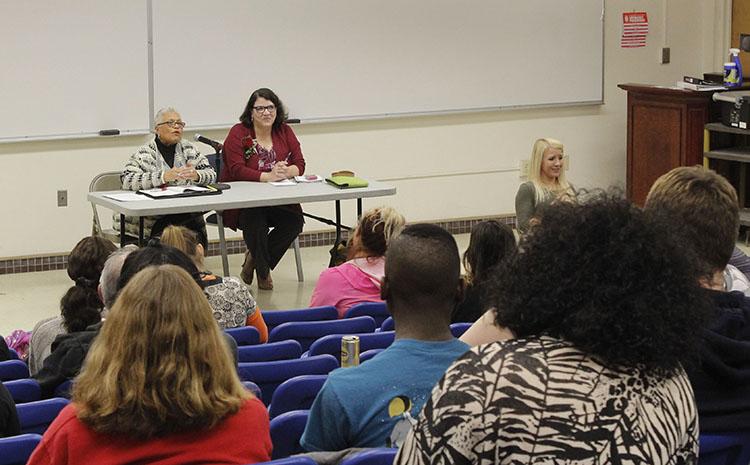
(26, 298)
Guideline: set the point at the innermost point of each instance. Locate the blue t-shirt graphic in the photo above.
(359, 407)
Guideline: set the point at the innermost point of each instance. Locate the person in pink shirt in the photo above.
(358, 279)
(158, 386)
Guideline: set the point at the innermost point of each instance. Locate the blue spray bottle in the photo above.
(735, 52)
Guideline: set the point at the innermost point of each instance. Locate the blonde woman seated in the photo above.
(230, 299)
(546, 181)
(158, 386)
(358, 280)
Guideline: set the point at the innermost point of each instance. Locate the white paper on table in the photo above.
(170, 191)
(285, 182)
(126, 197)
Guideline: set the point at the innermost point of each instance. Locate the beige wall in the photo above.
(446, 166)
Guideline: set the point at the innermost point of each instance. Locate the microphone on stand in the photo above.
(216, 145)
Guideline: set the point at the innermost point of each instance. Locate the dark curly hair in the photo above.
(246, 118)
(81, 305)
(608, 278)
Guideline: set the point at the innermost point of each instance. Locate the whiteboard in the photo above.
(353, 59)
(73, 67)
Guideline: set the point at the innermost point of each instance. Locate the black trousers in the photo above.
(192, 221)
(266, 247)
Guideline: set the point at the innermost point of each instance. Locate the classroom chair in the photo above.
(296, 393)
(331, 344)
(368, 354)
(13, 369)
(16, 450)
(286, 431)
(244, 335)
(107, 181)
(252, 387)
(281, 350)
(64, 389)
(13, 354)
(274, 318)
(269, 375)
(731, 448)
(296, 460)
(388, 324)
(377, 310)
(377, 456)
(457, 329)
(24, 390)
(36, 416)
(306, 332)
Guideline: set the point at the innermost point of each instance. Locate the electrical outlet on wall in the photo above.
(523, 168)
(62, 198)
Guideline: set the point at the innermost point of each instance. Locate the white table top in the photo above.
(242, 195)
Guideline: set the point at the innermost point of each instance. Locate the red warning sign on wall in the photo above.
(634, 29)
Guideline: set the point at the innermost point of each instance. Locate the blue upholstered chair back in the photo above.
(296, 393)
(269, 375)
(724, 449)
(306, 332)
(13, 369)
(331, 344)
(244, 335)
(378, 456)
(286, 431)
(282, 350)
(274, 318)
(24, 390)
(377, 310)
(36, 416)
(16, 450)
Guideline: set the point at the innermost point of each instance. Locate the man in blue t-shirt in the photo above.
(373, 405)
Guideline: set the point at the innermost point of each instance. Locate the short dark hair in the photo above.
(422, 267)
(704, 210)
(607, 277)
(156, 254)
(246, 118)
(490, 243)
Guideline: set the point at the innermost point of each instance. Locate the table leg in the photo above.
(359, 208)
(222, 243)
(338, 221)
(140, 231)
(122, 230)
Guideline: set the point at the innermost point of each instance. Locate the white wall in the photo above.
(448, 166)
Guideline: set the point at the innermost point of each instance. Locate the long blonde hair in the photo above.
(184, 240)
(535, 168)
(160, 364)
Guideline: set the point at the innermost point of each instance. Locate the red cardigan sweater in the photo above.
(241, 438)
(239, 167)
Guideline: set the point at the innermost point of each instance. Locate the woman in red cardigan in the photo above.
(263, 148)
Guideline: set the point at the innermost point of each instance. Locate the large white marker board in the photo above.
(74, 67)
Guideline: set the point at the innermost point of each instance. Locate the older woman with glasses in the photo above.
(263, 148)
(168, 159)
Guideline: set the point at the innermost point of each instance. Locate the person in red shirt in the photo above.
(158, 386)
(263, 148)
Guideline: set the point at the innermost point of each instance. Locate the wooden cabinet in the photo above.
(665, 130)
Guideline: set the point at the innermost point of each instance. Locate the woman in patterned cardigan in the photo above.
(605, 312)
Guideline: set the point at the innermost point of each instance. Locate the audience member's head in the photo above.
(375, 230)
(608, 278)
(184, 240)
(422, 274)
(491, 243)
(81, 306)
(161, 365)
(111, 273)
(154, 255)
(703, 209)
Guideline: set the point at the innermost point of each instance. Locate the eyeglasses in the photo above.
(267, 108)
(173, 124)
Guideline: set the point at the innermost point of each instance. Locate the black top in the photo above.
(472, 307)
(166, 151)
(9, 425)
(722, 381)
(4, 351)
